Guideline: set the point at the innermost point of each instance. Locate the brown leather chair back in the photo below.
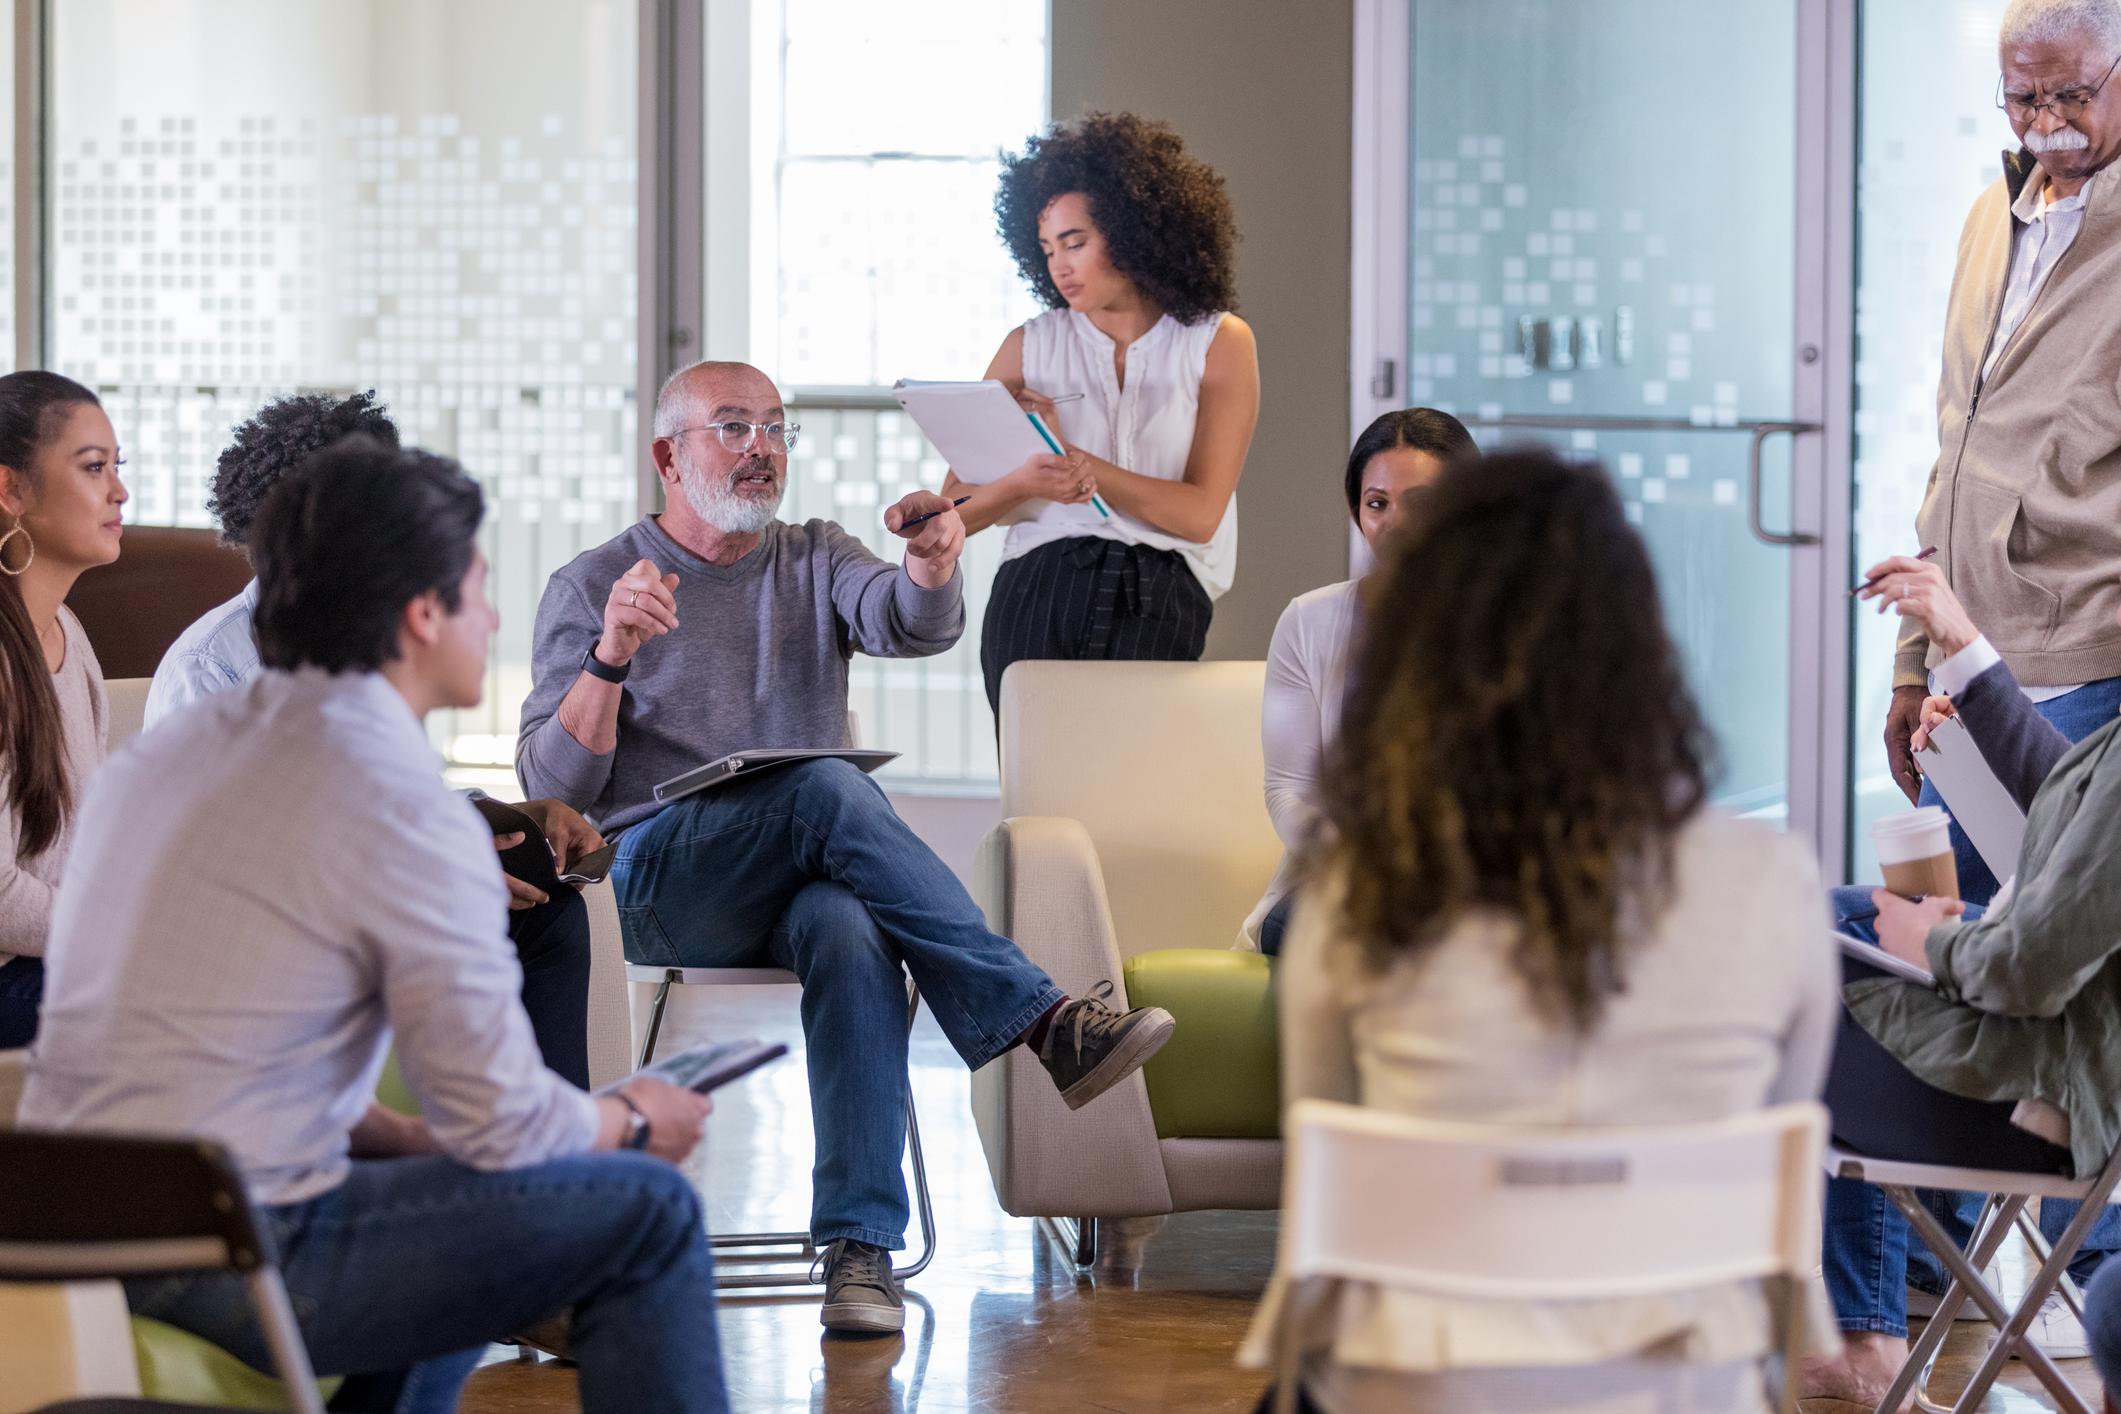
(164, 578)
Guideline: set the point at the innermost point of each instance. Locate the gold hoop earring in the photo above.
(29, 546)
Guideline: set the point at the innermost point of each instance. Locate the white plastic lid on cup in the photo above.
(1921, 833)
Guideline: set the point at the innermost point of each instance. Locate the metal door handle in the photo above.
(1761, 432)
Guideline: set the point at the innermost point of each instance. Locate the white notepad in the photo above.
(978, 427)
(1871, 955)
(1977, 800)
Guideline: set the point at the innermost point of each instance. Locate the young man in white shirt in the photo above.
(275, 889)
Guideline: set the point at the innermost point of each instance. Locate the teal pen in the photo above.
(1097, 501)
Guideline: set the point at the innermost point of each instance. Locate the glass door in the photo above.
(1615, 230)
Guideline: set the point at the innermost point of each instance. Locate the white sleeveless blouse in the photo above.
(1146, 427)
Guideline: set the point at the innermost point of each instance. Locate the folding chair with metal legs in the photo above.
(90, 1207)
(803, 1250)
(2001, 1215)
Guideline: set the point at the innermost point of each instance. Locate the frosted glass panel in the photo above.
(432, 198)
(1582, 247)
(1930, 139)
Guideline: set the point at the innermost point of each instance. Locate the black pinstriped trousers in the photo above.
(1090, 599)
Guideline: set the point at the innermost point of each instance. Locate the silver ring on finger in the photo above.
(633, 599)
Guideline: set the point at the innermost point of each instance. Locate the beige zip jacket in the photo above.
(2024, 504)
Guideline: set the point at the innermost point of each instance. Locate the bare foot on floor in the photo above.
(1859, 1376)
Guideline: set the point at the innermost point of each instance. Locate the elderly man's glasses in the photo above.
(738, 436)
(2067, 104)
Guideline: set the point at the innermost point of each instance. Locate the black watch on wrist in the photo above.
(597, 668)
(638, 1130)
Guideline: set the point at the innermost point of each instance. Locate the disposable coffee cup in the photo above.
(1915, 850)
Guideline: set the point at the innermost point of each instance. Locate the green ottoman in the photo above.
(1219, 1076)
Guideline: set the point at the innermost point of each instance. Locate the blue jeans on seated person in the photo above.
(807, 867)
(1870, 1259)
(2102, 1325)
(21, 993)
(2076, 715)
(402, 1275)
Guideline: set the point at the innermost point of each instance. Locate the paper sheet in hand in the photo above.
(1977, 800)
(978, 427)
(1871, 955)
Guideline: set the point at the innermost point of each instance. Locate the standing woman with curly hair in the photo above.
(1151, 384)
(1523, 912)
(60, 506)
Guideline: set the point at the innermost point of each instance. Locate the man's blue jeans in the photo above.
(807, 867)
(2076, 715)
(1869, 1256)
(403, 1274)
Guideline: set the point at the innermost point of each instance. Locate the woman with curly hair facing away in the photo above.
(1149, 381)
(1525, 913)
(61, 501)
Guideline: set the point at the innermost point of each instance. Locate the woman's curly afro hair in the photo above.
(1163, 213)
(278, 438)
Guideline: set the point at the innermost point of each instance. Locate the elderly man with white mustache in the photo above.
(715, 628)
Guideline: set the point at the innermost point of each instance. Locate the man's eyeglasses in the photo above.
(2067, 104)
(738, 436)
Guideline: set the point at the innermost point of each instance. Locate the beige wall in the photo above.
(1261, 89)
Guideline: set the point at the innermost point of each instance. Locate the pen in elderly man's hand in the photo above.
(907, 525)
(1869, 582)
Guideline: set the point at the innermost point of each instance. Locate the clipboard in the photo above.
(751, 763)
(979, 428)
(1871, 955)
(1977, 800)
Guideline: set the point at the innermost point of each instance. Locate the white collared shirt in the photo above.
(2047, 230)
(265, 894)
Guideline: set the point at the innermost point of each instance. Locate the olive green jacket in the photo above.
(2028, 997)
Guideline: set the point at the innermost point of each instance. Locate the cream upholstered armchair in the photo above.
(1134, 841)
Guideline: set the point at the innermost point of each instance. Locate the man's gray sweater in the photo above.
(758, 660)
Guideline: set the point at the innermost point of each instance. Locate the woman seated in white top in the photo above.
(1527, 914)
(1399, 452)
(1118, 547)
(61, 498)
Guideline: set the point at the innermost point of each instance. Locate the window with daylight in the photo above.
(871, 256)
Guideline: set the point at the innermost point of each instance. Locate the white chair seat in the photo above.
(713, 976)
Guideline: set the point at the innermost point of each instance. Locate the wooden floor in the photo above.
(999, 1321)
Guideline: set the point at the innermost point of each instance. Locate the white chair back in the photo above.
(1161, 764)
(1548, 1214)
(128, 708)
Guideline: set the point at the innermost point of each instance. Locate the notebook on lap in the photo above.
(751, 763)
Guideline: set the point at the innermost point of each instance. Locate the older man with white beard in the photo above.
(715, 628)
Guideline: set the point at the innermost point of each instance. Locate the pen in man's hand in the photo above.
(1869, 582)
(905, 526)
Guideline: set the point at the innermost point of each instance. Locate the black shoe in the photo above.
(1090, 1047)
(860, 1295)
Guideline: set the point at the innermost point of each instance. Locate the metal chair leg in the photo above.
(655, 1017)
(799, 1242)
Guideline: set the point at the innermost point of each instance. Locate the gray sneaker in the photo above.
(1090, 1047)
(860, 1296)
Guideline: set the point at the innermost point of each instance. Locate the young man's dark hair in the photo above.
(278, 438)
(343, 546)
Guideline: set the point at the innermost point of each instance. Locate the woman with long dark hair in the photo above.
(1118, 547)
(60, 501)
(1396, 455)
(1522, 911)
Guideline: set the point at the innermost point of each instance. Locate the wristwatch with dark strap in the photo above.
(597, 668)
(638, 1130)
